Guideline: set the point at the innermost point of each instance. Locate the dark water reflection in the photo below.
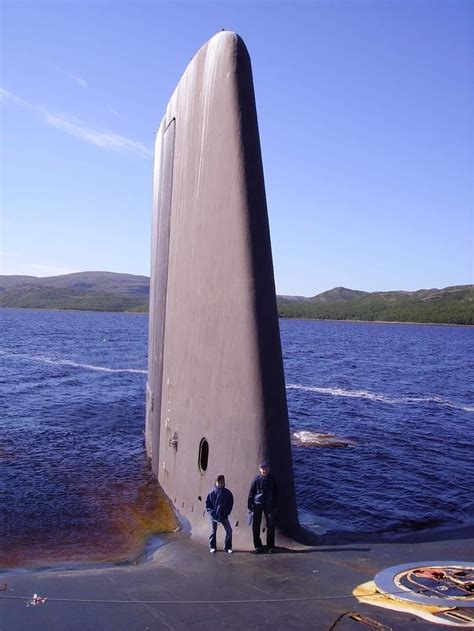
(75, 482)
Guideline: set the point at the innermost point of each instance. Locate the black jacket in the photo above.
(219, 503)
(263, 492)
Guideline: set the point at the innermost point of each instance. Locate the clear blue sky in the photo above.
(366, 114)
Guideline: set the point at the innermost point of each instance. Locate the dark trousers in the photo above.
(228, 533)
(256, 522)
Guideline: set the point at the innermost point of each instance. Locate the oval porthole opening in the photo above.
(203, 455)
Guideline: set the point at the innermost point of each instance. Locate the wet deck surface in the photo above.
(184, 587)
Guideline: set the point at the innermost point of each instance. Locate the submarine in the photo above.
(216, 403)
(215, 395)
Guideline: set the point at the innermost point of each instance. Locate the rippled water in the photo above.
(74, 480)
(403, 394)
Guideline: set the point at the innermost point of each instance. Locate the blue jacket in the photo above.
(263, 492)
(219, 503)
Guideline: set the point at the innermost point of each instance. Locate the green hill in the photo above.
(52, 298)
(109, 291)
(110, 282)
(452, 305)
(338, 294)
(94, 291)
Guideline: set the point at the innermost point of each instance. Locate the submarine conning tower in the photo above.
(216, 398)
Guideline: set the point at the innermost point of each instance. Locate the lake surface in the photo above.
(75, 483)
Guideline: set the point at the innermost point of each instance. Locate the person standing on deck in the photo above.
(219, 505)
(263, 499)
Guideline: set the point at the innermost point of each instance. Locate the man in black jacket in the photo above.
(263, 499)
(219, 505)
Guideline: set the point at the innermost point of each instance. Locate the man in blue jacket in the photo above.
(263, 499)
(219, 505)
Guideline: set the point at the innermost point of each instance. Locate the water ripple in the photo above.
(382, 398)
(68, 362)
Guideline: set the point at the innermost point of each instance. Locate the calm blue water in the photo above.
(72, 417)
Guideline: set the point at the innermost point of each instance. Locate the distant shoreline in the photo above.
(146, 313)
(73, 310)
(378, 322)
(122, 293)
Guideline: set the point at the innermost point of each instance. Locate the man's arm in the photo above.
(251, 495)
(210, 503)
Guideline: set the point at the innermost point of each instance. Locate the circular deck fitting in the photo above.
(435, 583)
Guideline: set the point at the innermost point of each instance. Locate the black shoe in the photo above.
(258, 551)
(271, 550)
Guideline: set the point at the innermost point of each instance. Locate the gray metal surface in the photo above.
(185, 587)
(159, 286)
(216, 369)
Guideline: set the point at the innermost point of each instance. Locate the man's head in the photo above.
(220, 481)
(264, 468)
